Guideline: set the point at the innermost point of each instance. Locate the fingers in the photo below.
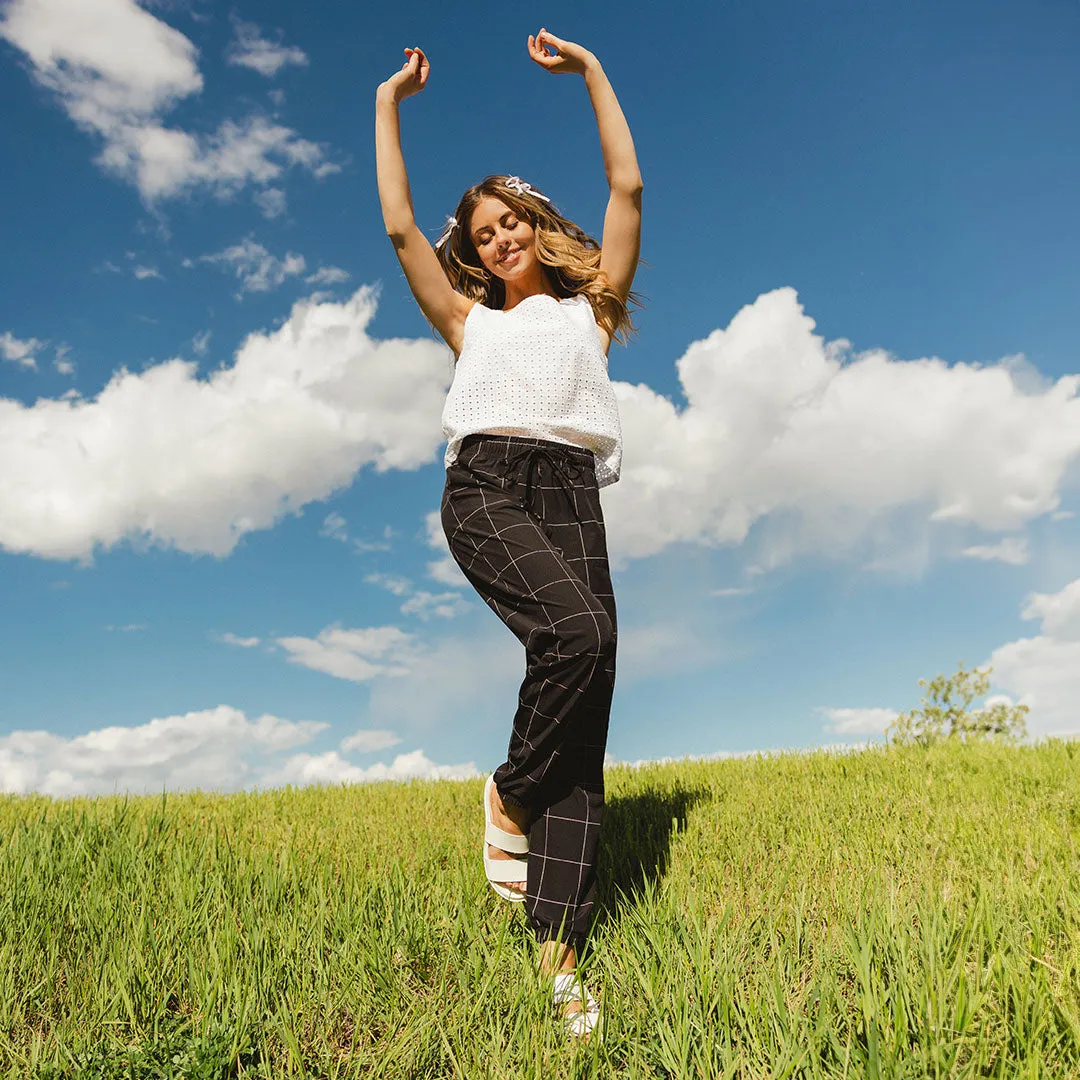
(538, 53)
(546, 38)
(417, 65)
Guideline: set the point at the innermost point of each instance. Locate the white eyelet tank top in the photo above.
(537, 370)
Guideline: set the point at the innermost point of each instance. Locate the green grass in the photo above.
(890, 913)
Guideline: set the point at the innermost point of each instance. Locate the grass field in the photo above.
(887, 913)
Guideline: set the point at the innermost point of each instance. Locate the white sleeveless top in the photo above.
(539, 370)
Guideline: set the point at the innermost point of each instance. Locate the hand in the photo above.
(411, 79)
(569, 57)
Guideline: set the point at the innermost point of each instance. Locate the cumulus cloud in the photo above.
(243, 642)
(215, 750)
(144, 272)
(872, 721)
(811, 446)
(205, 749)
(355, 654)
(201, 342)
(251, 50)
(1043, 672)
(823, 449)
(164, 457)
(117, 70)
(20, 352)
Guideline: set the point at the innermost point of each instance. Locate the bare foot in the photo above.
(512, 819)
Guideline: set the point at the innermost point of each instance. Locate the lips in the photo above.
(510, 256)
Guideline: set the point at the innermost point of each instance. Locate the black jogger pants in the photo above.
(523, 520)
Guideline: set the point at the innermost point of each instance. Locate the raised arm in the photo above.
(444, 308)
(621, 242)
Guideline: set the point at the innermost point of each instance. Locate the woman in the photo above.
(529, 304)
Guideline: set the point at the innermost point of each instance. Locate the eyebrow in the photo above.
(509, 213)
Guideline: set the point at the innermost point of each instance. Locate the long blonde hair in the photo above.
(570, 257)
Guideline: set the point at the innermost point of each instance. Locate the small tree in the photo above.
(945, 712)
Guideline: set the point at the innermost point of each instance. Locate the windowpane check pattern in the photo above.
(523, 520)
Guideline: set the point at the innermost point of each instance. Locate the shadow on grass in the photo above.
(635, 844)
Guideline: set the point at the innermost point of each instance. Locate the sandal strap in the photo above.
(569, 987)
(500, 838)
(506, 869)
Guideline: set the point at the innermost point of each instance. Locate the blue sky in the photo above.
(851, 417)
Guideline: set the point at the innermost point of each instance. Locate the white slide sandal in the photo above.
(501, 870)
(579, 1025)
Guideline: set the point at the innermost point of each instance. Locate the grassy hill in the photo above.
(895, 912)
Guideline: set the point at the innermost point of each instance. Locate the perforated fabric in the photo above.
(536, 370)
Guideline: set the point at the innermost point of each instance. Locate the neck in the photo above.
(535, 283)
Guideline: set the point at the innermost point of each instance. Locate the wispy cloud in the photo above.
(358, 655)
(18, 351)
(251, 49)
(1012, 550)
(254, 266)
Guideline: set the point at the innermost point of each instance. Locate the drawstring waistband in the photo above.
(523, 464)
(527, 461)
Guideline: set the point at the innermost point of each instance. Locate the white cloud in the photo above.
(200, 343)
(328, 275)
(357, 654)
(330, 768)
(255, 267)
(117, 69)
(250, 49)
(196, 750)
(20, 352)
(1043, 672)
(827, 450)
(244, 642)
(474, 678)
(61, 362)
(216, 749)
(399, 586)
(424, 605)
(444, 570)
(1012, 550)
(744, 590)
(1060, 612)
(872, 721)
(334, 527)
(164, 457)
(420, 602)
(271, 202)
(783, 434)
(368, 741)
(144, 272)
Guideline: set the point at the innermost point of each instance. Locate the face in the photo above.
(504, 241)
